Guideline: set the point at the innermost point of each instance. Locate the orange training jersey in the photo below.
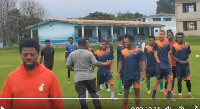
(38, 83)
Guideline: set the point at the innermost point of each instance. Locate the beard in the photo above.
(30, 67)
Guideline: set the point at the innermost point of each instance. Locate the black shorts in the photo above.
(163, 70)
(103, 77)
(151, 72)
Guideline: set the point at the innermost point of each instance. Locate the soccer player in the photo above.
(88, 46)
(110, 47)
(103, 74)
(83, 61)
(31, 80)
(151, 62)
(171, 42)
(133, 60)
(68, 50)
(181, 53)
(161, 50)
(120, 47)
(48, 54)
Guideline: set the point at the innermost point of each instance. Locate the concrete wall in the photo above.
(190, 16)
(57, 32)
(168, 24)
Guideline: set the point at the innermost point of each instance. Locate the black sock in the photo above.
(188, 84)
(106, 86)
(179, 86)
(154, 94)
(169, 94)
(166, 84)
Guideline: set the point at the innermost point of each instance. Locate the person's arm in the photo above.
(174, 56)
(55, 92)
(145, 54)
(69, 62)
(96, 63)
(6, 93)
(41, 57)
(112, 64)
(66, 54)
(142, 64)
(169, 58)
(53, 57)
(120, 66)
(155, 49)
(189, 53)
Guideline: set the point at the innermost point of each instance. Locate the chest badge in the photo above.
(41, 88)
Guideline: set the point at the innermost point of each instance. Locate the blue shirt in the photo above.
(162, 48)
(70, 48)
(131, 60)
(103, 56)
(151, 61)
(181, 52)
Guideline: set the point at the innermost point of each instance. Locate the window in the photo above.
(189, 7)
(189, 25)
(156, 19)
(167, 19)
(87, 32)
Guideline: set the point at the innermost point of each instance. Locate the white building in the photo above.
(169, 20)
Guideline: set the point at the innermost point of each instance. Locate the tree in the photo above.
(5, 7)
(100, 16)
(165, 6)
(32, 8)
(13, 23)
(128, 16)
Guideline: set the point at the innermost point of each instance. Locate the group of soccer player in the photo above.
(164, 59)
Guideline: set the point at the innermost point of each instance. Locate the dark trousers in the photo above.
(69, 73)
(48, 66)
(90, 85)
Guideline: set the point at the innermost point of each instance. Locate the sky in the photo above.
(62, 9)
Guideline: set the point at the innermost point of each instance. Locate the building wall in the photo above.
(168, 24)
(190, 16)
(57, 32)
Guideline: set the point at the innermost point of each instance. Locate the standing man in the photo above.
(151, 62)
(141, 44)
(68, 50)
(181, 52)
(31, 80)
(48, 54)
(171, 42)
(161, 50)
(120, 47)
(83, 61)
(110, 47)
(103, 74)
(133, 60)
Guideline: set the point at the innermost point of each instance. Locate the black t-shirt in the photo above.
(48, 54)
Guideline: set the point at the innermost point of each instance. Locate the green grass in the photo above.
(11, 57)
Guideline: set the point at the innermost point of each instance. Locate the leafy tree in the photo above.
(100, 16)
(165, 6)
(128, 16)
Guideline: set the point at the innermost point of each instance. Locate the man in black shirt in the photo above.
(48, 54)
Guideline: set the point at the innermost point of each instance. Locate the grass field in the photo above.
(10, 59)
